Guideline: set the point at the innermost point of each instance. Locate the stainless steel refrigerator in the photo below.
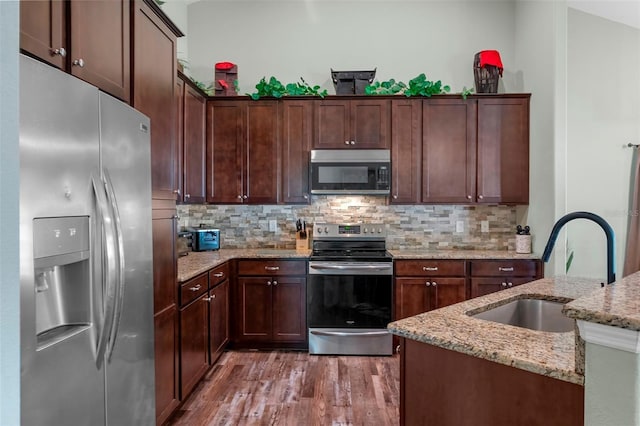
(86, 273)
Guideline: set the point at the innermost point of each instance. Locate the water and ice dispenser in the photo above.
(62, 278)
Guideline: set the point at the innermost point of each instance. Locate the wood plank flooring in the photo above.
(295, 388)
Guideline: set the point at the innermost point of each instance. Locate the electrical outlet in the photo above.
(459, 226)
(484, 226)
(273, 225)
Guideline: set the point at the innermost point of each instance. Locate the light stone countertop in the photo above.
(550, 354)
(616, 305)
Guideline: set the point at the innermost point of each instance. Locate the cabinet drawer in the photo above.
(193, 289)
(498, 268)
(218, 274)
(431, 268)
(271, 267)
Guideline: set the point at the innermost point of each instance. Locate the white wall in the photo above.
(293, 39)
(9, 172)
(177, 11)
(603, 115)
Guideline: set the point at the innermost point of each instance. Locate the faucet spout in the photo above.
(611, 272)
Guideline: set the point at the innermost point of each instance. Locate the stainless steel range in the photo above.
(349, 290)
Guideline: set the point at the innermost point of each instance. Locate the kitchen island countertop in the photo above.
(550, 354)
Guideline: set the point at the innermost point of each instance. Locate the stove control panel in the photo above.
(349, 230)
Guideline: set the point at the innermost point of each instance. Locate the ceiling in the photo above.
(623, 11)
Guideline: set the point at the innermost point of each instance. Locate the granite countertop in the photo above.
(460, 254)
(550, 354)
(616, 305)
(196, 263)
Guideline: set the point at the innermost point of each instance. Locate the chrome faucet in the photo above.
(611, 271)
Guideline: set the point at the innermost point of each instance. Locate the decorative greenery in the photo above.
(274, 88)
(390, 87)
(420, 86)
(466, 92)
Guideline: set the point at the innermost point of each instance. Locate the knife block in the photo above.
(302, 243)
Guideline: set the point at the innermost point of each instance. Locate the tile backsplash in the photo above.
(408, 226)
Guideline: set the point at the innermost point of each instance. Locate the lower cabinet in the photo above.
(424, 285)
(218, 312)
(166, 362)
(270, 310)
(489, 276)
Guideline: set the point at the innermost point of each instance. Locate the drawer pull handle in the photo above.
(509, 269)
(207, 299)
(272, 268)
(196, 288)
(429, 268)
(219, 274)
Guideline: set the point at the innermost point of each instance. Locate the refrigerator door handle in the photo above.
(119, 276)
(108, 256)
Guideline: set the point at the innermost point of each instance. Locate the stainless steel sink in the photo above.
(534, 314)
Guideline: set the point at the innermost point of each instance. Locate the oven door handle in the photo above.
(350, 334)
(352, 267)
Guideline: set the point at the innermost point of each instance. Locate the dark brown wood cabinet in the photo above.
(242, 152)
(406, 150)
(270, 309)
(489, 276)
(165, 311)
(154, 91)
(464, 390)
(424, 285)
(296, 133)
(218, 319)
(503, 150)
(90, 40)
(193, 145)
(448, 151)
(194, 333)
(352, 123)
(178, 169)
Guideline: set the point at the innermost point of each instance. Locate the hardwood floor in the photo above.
(295, 388)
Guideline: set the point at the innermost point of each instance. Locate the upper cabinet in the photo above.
(242, 152)
(348, 124)
(93, 44)
(296, 132)
(503, 150)
(406, 149)
(194, 112)
(154, 91)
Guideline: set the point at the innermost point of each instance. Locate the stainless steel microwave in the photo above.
(350, 171)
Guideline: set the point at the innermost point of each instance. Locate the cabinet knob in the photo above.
(60, 51)
(240, 197)
(504, 284)
(434, 283)
(353, 142)
(275, 282)
(213, 296)
(195, 288)
(480, 197)
(428, 284)
(176, 191)
(187, 195)
(79, 62)
(245, 196)
(268, 282)
(510, 284)
(346, 142)
(468, 197)
(395, 197)
(305, 196)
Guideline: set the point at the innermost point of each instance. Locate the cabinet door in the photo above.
(179, 169)
(411, 297)
(447, 291)
(194, 344)
(503, 150)
(164, 260)
(332, 124)
(296, 119)
(225, 136)
(43, 30)
(100, 45)
(260, 154)
(448, 151)
(253, 309)
(166, 363)
(406, 137)
(194, 146)
(218, 320)
(486, 285)
(154, 74)
(369, 123)
(289, 309)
